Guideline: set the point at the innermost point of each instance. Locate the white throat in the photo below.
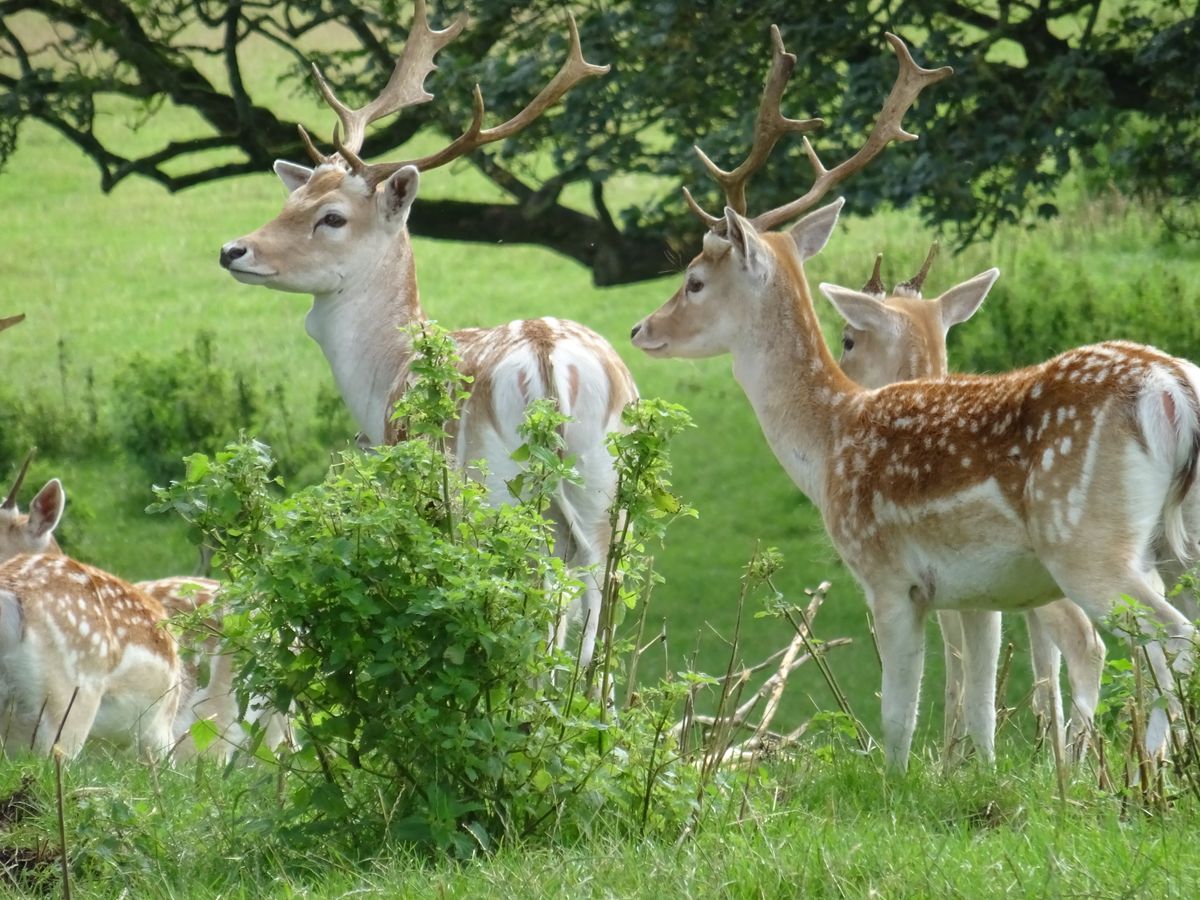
(358, 328)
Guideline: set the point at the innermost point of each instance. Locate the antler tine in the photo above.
(316, 155)
(874, 286)
(769, 126)
(10, 321)
(10, 502)
(405, 87)
(912, 287)
(910, 81)
(574, 70)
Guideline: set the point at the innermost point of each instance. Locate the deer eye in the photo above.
(847, 343)
(333, 220)
(694, 284)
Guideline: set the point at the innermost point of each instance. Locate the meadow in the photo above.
(108, 279)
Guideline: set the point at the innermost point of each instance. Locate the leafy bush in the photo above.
(407, 622)
(180, 404)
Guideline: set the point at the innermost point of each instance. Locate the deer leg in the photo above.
(981, 638)
(1046, 660)
(954, 723)
(899, 629)
(1073, 633)
(1157, 620)
(67, 716)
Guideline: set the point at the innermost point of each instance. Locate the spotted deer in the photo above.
(342, 237)
(900, 336)
(208, 690)
(970, 493)
(82, 653)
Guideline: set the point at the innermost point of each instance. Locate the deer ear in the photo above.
(862, 311)
(47, 508)
(812, 232)
(396, 195)
(292, 175)
(960, 302)
(746, 244)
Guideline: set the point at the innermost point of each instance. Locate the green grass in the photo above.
(821, 827)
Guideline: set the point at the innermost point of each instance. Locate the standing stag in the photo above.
(902, 337)
(81, 652)
(342, 237)
(967, 494)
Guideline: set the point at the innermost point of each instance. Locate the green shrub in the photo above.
(179, 404)
(406, 621)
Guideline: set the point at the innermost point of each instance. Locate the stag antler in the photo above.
(912, 287)
(910, 81)
(405, 87)
(405, 90)
(874, 287)
(769, 126)
(10, 502)
(10, 321)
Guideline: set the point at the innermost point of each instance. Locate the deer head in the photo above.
(32, 532)
(742, 261)
(345, 214)
(901, 336)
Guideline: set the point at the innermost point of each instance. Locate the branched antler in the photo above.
(769, 126)
(406, 88)
(910, 81)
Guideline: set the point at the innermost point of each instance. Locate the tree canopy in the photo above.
(1041, 87)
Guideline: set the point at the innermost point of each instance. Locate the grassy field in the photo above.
(103, 278)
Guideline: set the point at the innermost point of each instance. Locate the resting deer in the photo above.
(971, 493)
(902, 337)
(81, 651)
(342, 237)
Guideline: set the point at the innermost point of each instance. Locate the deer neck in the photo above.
(359, 329)
(797, 390)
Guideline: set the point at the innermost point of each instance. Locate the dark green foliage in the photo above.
(1040, 90)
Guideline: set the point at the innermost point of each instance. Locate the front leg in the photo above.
(900, 631)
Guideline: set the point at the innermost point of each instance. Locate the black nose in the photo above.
(633, 331)
(231, 252)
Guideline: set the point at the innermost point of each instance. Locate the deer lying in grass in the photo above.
(206, 674)
(82, 653)
(970, 493)
(342, 236)
(902, 337)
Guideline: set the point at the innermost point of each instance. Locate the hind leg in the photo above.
(1046, 660)
(1160, 623)
(953, 718)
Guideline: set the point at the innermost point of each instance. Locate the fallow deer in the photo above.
(342, 237)
(971, 493)
(208, 691)
(82, 653)
(900, 336)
